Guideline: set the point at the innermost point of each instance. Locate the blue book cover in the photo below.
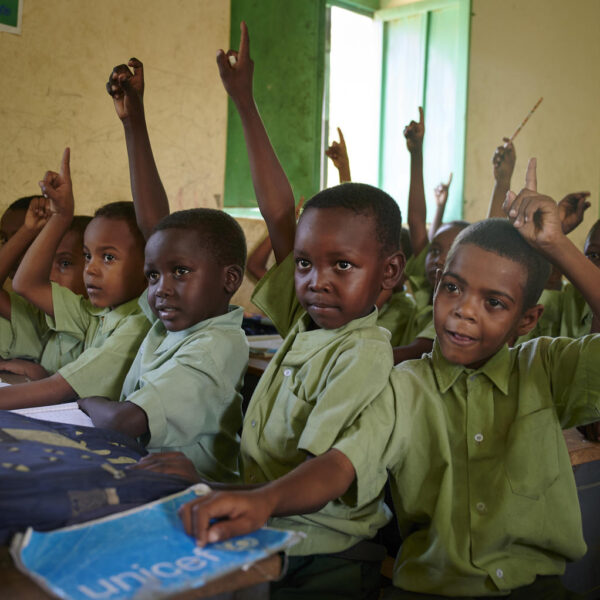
(140, 553)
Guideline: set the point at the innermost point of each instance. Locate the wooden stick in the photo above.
(514, 135)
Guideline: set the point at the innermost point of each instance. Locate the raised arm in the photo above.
(338, 153)
(10, 253)
(149, 196)
(537, 217)
(417, 209)
(32, 280)
(504, 164)
(273, 190)
(441, 198)
(306, 489)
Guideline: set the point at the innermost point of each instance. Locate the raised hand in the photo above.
(237, 68)
(504, 161)
(37, 214)
(415, 132)
(127, 88)
(535, 216)
(57, 187)
(338, 154)
(238, 513)
(441, 192)
(571, 209)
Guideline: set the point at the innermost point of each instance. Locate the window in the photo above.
(381, 68)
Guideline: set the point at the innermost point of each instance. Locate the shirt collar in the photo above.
(307, 343)
(497, 369)
(231, 319)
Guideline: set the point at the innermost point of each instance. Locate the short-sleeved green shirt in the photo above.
(401, 316)
(566, 313)
(481, 478)
(27, 335)
(188, 383)
(321, 391)
(417, 278)
(111, 339)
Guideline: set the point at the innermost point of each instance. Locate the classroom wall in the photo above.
(53, 95)
(519, 52)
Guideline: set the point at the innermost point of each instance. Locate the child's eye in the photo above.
(108, 258)
(495, 303)
(181, 271)
(152, 276)
(65, 264)
(450, 287)
(302, 263)
(87, 256)
(433, 251)
(343, 265)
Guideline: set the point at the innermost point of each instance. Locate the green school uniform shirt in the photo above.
(417, 278)
(401, 316)
(566, 313)
(481, 478)
(27, 335)
(320, 391)
(110, 338)
(188, 383)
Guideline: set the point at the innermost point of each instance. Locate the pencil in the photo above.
(514, 135)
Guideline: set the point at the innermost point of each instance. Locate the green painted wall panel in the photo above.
(287, 45)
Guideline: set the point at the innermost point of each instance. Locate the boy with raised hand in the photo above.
(182, 392)
(28, 346)
(314, 425)
(110, 324)
(481, 478)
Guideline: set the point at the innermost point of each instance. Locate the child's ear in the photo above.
(393, 269)
(529, 319)
(233, 277)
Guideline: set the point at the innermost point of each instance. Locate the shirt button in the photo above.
(253, 423)
(287, 372)
(500, 573)
(480, 506)
(479, 438)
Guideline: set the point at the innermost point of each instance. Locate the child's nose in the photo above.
(163, 288)
(319, 281)
(91, 267)
(466, 308)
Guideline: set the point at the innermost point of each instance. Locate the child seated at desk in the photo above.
(110, 324)
(182, 392)
(482, 482)
(27, 344)
(309, 417)
(481, 478)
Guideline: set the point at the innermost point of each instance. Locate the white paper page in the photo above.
(59, 413)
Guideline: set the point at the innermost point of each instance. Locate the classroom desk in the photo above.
(240, 585)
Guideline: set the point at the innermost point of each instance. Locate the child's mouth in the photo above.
(460, 338)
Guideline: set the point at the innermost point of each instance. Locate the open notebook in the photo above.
(59, 413)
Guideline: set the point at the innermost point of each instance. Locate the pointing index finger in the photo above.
(244, 51)
(342, 141)
(531, 175)
(65, 168)
(421, 117)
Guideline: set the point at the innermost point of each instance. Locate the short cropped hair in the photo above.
(22, 203)
(405, 243)
(593, 230)
(122, 211)
(219, 233)
(502, 238)
(79, 223)
(364, 199)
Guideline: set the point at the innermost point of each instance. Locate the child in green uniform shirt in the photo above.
(27, 344)
(310, 435)
(428, 256)
(110, 324)
(481, 477)
(182, 392)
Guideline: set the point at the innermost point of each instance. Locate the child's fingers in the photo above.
(65, 167)
(244, 51)
(223, 530)
(222, 63)
(449, 180)
(137, 66)
(507, 205)
(531, 175)
(421, 117)
(342, 140)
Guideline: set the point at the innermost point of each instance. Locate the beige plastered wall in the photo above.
(52, 95)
